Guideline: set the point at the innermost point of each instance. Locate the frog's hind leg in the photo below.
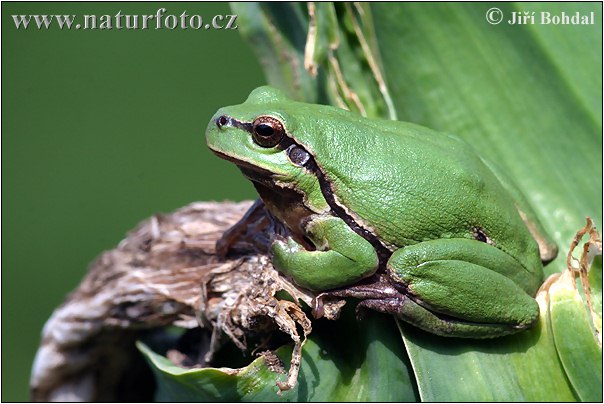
(457, 285)
(547, 247)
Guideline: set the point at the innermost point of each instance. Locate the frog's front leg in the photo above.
(342, 257)
(461, 287)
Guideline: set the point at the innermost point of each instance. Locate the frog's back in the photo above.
(408, 184)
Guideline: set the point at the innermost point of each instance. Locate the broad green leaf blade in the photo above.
(582, 72)
(577, 346)
(521, 367)
(347, 360)
(508, 90)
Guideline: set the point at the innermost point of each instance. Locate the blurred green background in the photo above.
(100, 130)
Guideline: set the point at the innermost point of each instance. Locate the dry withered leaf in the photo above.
(166, 272)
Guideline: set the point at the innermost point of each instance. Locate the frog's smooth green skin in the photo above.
(453, 244)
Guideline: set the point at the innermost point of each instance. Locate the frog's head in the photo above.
(257, 137)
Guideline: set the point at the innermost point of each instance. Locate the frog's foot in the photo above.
(375, 287)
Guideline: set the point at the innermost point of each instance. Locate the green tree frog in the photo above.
(411, 221)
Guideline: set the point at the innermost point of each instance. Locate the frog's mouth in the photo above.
(250, 171)
(253, 173)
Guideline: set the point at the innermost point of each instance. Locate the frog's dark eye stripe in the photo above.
(298, 155)
(267, 131)
(225, 120)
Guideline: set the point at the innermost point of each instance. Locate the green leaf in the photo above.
(278, 36)
(208, 384)
(348, 360)
(521, 367)
(582, 71)
(577, 346)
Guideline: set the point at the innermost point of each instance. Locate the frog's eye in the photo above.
(267, 131)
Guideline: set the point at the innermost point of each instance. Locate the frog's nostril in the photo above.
(221, 121)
